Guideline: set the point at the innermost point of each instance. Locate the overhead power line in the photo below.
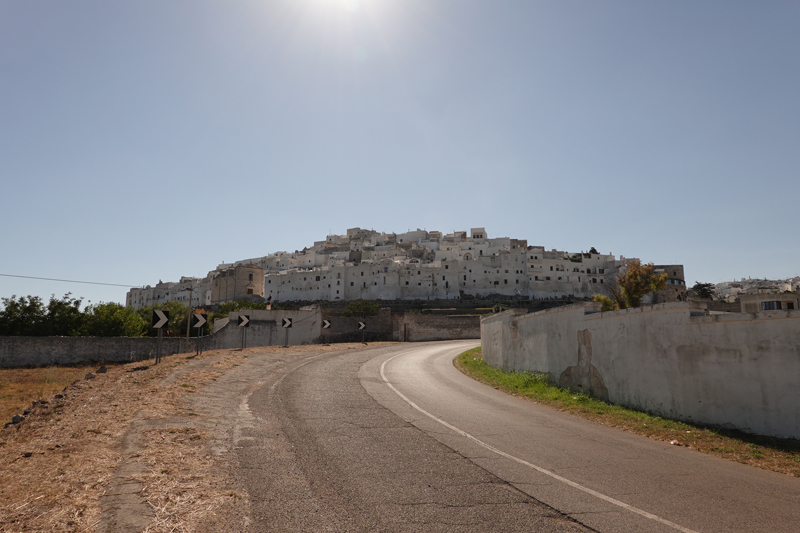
(69, 281)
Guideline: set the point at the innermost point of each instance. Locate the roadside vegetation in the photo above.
(778, 455)
(30, 316)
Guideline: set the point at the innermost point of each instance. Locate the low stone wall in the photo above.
(45, 351)
(345, 329)
(421, 328)
(732, 370)
(266, 329)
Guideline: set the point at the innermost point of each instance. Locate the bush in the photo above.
(361, 308)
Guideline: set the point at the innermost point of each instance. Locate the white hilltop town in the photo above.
(417, 265)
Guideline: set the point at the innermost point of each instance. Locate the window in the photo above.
(506, 271)
(406, 283)
(442, 278)
(446, 267)
(269, 281)
(770, 306)
(249, 291)
(547, 278)
(465, 278)
(505, 281)
(551, 269)
(250, 278)
(789, 305)
(351, 284)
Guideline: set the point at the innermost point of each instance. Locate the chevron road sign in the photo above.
(198, 320)
(244, 321)
(287, 322)
(160, 318)
(361, 325)
(326, 324)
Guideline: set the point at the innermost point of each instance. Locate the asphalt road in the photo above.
(396, 439)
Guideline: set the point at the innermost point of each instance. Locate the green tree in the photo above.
(635, 283)
(64, 317)
(178, 314)
(362, 308)
(114, 320)
(23, 316)
(593, 250)
(704, 290)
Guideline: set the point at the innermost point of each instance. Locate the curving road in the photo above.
(396, 439)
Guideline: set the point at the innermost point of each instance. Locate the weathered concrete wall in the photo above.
(420, 328)
(345, 329)
(44, 351)
(732, 370)
(265, 329)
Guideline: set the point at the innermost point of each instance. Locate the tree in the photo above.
(593, 250)
(704, 290)
(114, 320)
(64, 317)
(608, 303)
(635, 283)
(362, 308)
(23, 316)
(178, 315)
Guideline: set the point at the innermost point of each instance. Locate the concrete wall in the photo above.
(420, 328)
(44, 351)
(733, 370)
(266, 329)
(345, 329)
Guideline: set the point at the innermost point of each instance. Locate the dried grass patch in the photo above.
(21, 386)
(58, 462)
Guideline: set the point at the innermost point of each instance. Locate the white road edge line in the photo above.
(553, 475)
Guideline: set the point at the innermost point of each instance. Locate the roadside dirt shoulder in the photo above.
(140, 448)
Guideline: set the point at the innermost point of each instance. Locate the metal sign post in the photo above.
(244, 323)
(198, 321)
(287, 323)
(160, 319)
(361, 327)
(326, 325)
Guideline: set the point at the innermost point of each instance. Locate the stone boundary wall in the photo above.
(421, 328)
(266, 329)
(45, 351)
(731, 370)
(345, 329)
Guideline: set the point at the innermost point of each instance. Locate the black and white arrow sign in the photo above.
(198, 320)
(287, 322)
(244, 321)
(160, 318)
(361, 325)
(326, 324)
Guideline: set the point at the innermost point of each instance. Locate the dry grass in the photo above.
(57, 464)
(778, 455)
(21, 386)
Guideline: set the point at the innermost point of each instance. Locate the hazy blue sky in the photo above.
(152, 139)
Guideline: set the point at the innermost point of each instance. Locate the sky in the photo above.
(149, 140)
